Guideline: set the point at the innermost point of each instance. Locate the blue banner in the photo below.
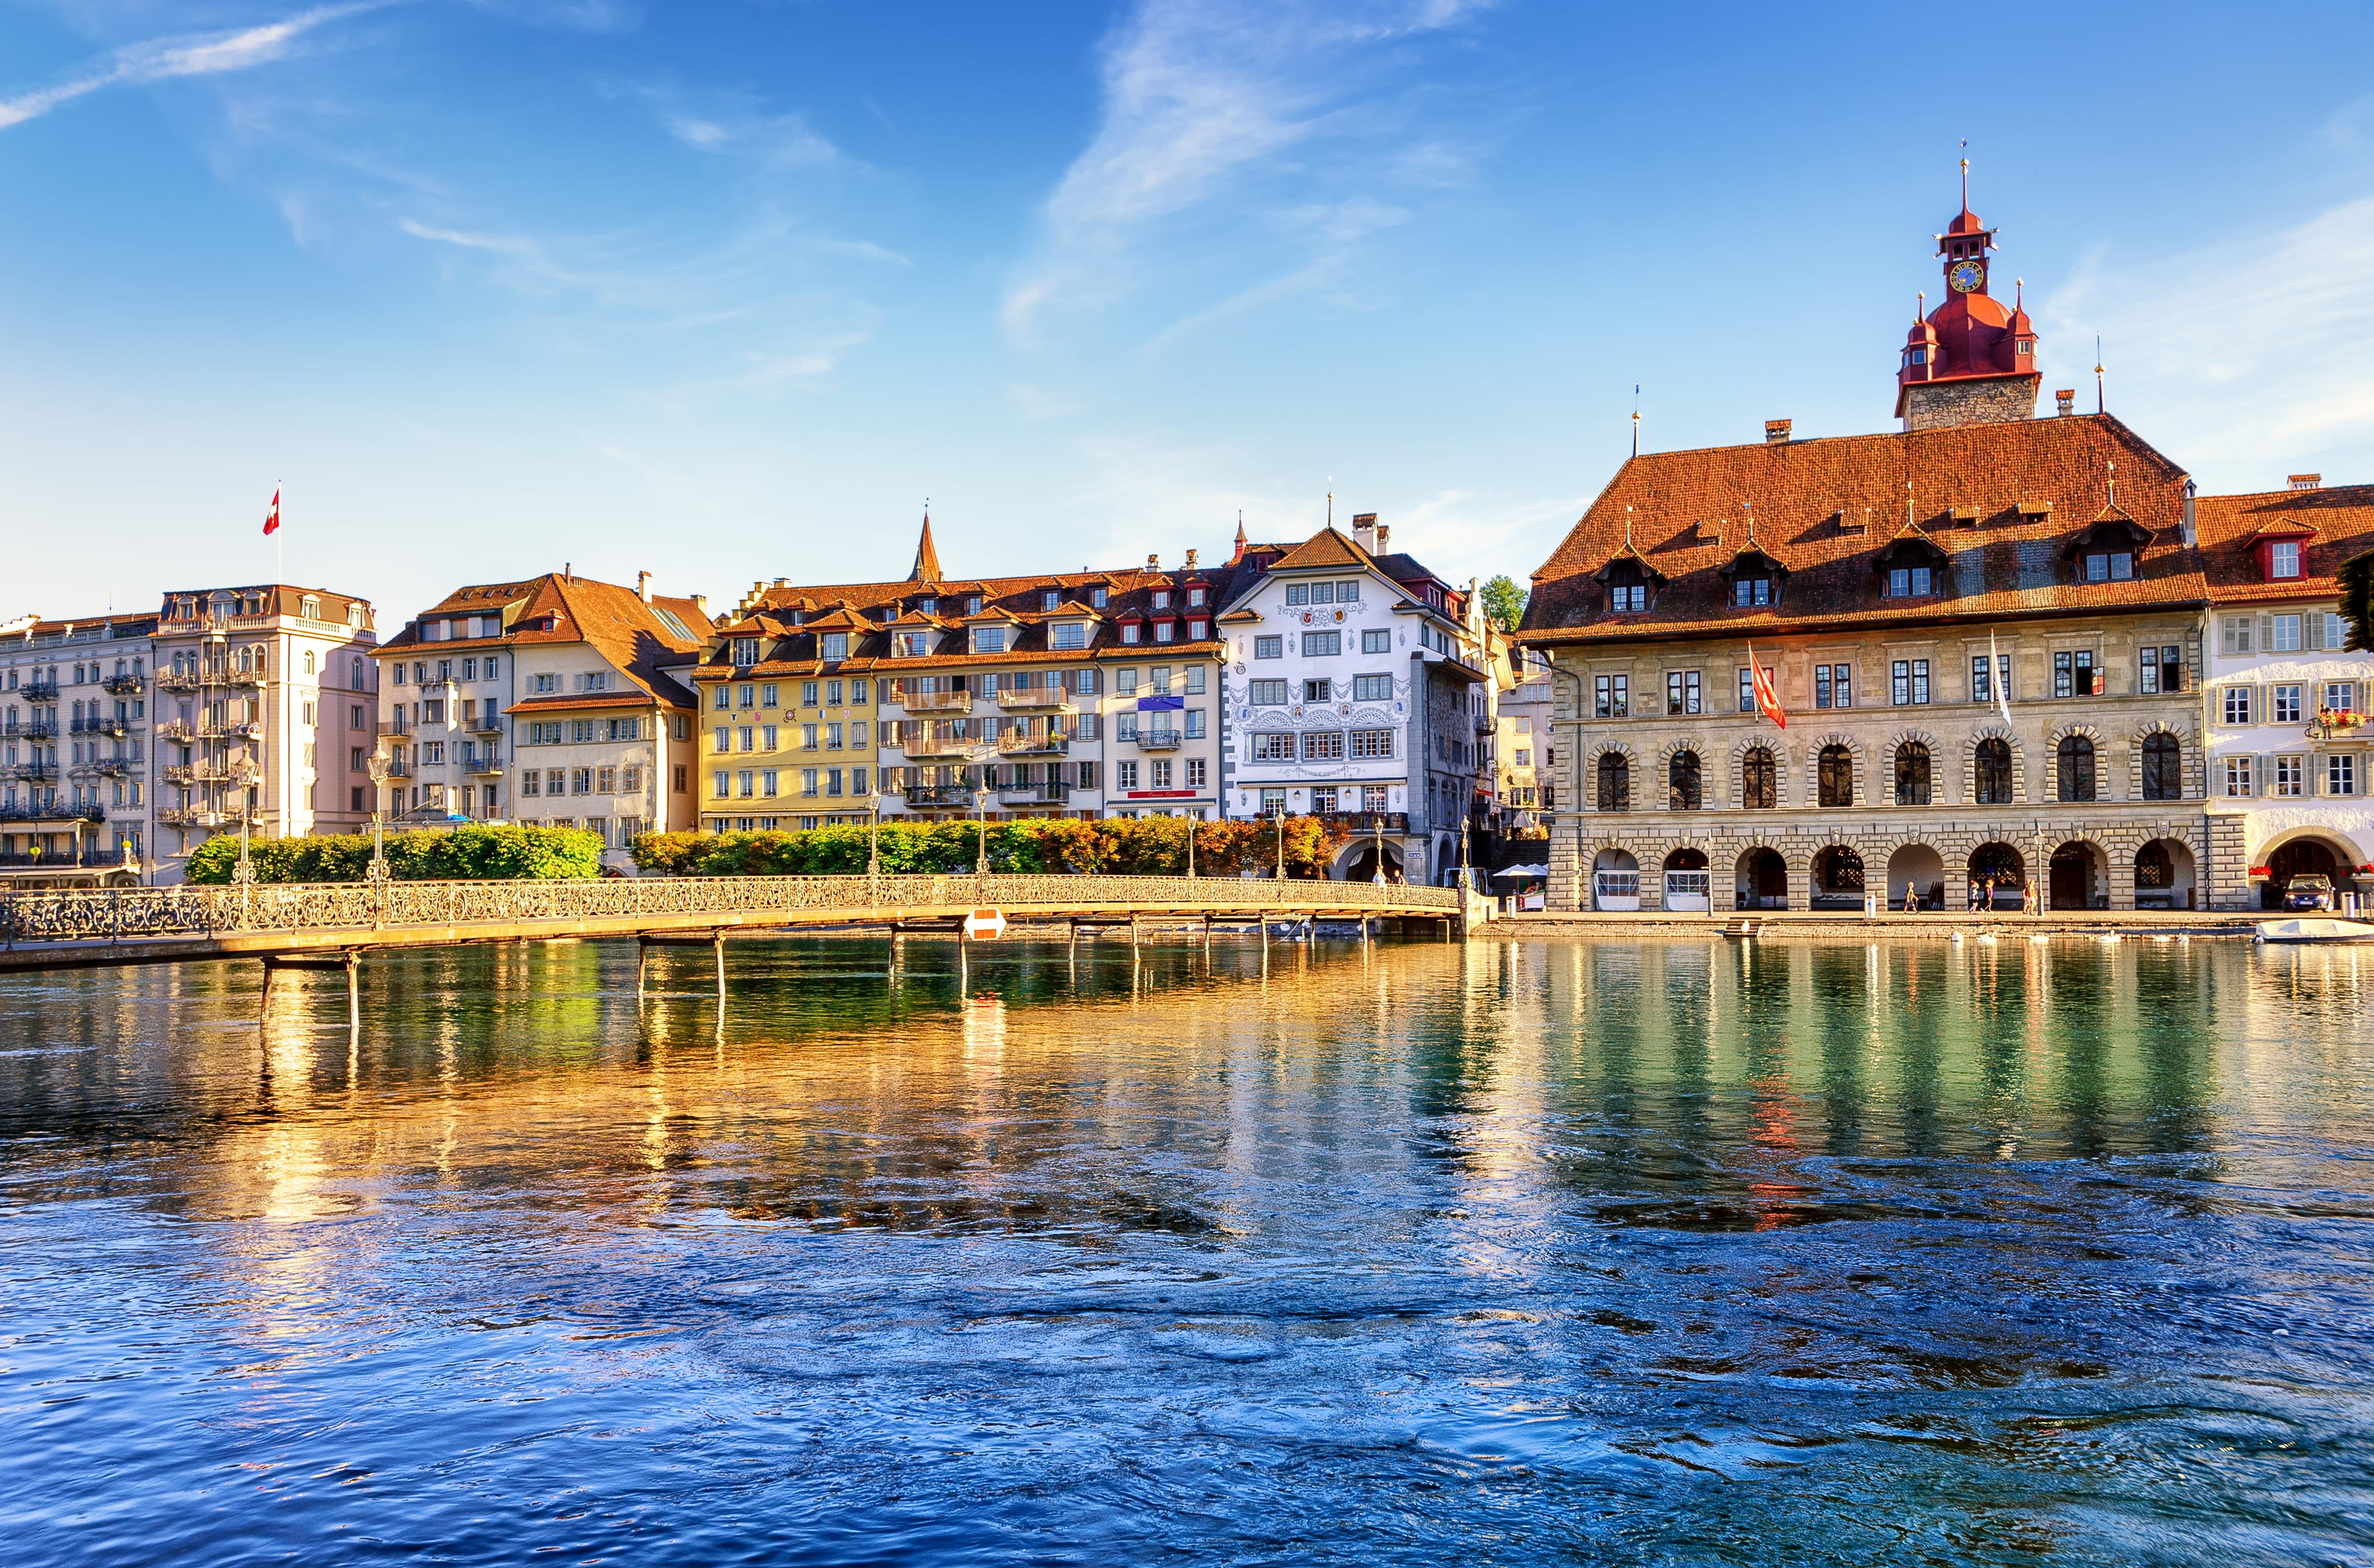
(1159, 704)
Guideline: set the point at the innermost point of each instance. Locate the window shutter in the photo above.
(2316, 630)
(2266, 633)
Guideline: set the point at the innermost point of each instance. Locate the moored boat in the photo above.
(2315, 929)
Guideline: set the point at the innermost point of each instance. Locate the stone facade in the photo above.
(1888, 676)
(1936, 404)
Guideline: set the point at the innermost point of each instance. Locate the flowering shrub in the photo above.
(1114, 846)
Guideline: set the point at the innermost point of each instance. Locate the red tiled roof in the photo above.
(1825, 509)
(2341, 517)
(633, 636)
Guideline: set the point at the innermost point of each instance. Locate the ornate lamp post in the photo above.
(243, 779)
(1192, 823)
(1377, 820)
(873, 841)
(1281, 841)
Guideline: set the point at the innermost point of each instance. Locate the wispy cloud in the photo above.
(731, 123)
(1329, 238)
(165, 59)
(1200, 95)
(2289, 315)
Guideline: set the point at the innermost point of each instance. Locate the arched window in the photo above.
(1614, 782)
(2074, 767)
(356, 673)
(1757, 780)
(1836, 777)
(1682, 782)
(1992, 760)
(309, 661)
(2163, 767)
(1912, 774)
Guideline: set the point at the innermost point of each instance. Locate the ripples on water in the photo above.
(1501, 1253)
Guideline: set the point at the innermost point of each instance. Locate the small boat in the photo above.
(2315, 929)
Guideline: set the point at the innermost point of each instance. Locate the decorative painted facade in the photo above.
(2290, 749)
(1355, 687)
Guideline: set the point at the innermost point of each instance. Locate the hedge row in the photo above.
(463, 854)
(1116, 845)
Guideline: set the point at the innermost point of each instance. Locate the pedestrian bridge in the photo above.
(333, 922)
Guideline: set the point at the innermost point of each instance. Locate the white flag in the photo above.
(2002, 679)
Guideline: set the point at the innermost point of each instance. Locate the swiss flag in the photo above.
(272, 518)
(1761, 680)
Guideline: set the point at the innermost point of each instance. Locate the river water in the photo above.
(1497, 1253)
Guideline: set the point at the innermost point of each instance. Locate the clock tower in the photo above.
(1969, 361)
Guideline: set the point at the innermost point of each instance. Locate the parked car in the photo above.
(2309, 892)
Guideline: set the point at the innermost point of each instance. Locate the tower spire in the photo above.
(927, 559)
(1241, 538)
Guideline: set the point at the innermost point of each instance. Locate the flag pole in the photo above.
(279, 572)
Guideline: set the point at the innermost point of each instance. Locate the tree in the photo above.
(1504, 602)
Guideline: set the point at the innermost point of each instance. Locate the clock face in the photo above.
(1965, 275)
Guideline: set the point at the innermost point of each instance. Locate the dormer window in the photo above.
(1911, 583)
(835, 647)
(1628, 588)
(2109, 565)
(1194, 596)
(927, 606)
(911, 645)
(1048, 600)
(1755, 592)
(1129, 631)
(1163, 630)
(2284, 559)
(1162, 599)
(1097, 598)
(973, 605)
(1916, 356)
(1069, 634)
(989, 639)
(746, 650)
(1197, 630)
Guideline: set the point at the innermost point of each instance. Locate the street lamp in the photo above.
(1281, 841)
(377, 767)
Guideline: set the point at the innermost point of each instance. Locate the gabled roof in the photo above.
(637, 639)
(1324, 549)
(2341, 515)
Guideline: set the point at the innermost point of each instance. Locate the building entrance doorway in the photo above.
(2069, 880)
(2301, 857)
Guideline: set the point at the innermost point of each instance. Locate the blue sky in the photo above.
(724, 291)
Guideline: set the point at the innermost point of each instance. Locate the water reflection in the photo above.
(1498, 1252)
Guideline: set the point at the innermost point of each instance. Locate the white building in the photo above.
(1354, 686)
(2289, 748)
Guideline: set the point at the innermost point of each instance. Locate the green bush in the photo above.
(463, 854)
(1055, 845)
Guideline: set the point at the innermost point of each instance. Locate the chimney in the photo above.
(2065, 400)
(644, 587)
(700, 603)
(2306, 481)
(1191, 560)
(1364, 533)
(1776, 432)
(568, 571)
(1152, 562)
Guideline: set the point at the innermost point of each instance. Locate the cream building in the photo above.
(545, 701)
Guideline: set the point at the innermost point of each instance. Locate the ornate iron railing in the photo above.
(69, 915)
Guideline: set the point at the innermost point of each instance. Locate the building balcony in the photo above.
(398, 767)
(34, 730)
(198, 773)
(179, 730)
(48, 811)
(939, 745)
(1036, 699)
(1034, 745)
(939, 797)
(935, 702)
(488, 761)
(199, 680)
(1372, 822)
(32, 772)
(124, 685)
(105, 768)
(101, 726)
(1035, 795)
(232, 729)
(395, 726)
(1158, 740)
(486, 724)
(95, 860)
(38, 691)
